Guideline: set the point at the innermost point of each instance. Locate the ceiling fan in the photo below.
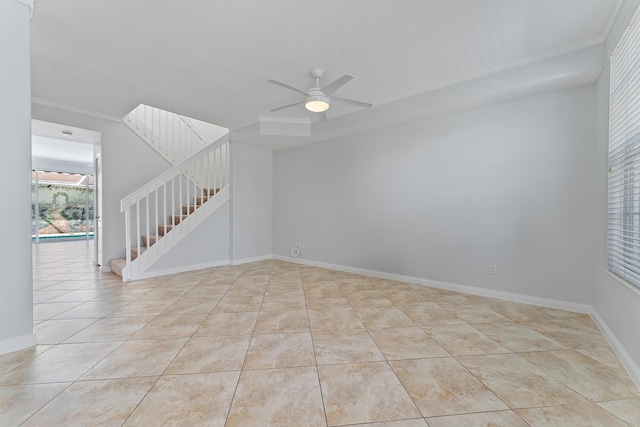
(318, 99)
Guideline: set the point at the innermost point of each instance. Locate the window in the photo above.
(623, 227)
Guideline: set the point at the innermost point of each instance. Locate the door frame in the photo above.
(97, 205)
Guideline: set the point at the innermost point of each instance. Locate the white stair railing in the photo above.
(174, 136)
(164, 210)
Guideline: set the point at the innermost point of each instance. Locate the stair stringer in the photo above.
(139, 267)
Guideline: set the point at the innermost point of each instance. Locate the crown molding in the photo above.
(71, 108)
(29, 3)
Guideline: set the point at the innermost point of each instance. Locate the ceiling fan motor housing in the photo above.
(316, 101)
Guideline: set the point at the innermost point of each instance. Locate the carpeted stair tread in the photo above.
(151, 239)
(190, 209)
(201, 200)
(178, 218)
(116, 265)
(164, 229)
(134, 251)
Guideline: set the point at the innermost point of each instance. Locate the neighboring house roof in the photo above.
(62, 178)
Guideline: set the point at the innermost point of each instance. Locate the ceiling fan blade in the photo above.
(273, 110)
(286, 86)
(351, 102)
(336, 84)
(323, 116)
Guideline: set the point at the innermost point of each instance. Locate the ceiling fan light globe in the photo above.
(316, 103)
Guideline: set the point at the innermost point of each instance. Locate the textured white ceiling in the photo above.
(211, 59)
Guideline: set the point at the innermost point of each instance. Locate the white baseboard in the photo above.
(248, 260)
(490, 293)
(632, 369)
(185, 268)
(180, 269)
(17, 343)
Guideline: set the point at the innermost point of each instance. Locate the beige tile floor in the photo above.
(279, 344)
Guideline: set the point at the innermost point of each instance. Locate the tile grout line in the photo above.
(315, 358)
(244, 360)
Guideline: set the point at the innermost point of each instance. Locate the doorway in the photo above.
(66, 184)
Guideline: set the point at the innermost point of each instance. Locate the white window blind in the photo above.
(623, 226)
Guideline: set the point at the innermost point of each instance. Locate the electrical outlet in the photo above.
(493, 269)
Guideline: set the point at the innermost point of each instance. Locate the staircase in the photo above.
(162, 212)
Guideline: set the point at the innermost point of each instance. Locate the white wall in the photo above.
(616, 304)
(509, 184)
(16, 293)
(252, 188)
(127, 164)
(206, 246)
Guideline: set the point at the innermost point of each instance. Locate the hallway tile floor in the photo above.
(279, 344)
